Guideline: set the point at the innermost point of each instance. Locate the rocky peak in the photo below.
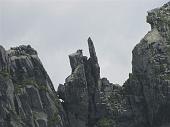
(28, 98)
(22, 50)
(143, 101)
(150, 70)
(84, 94)
(27, 95)
(93, 61)
(159, 18)
(92, 50)
(3, 60)
(76, 59)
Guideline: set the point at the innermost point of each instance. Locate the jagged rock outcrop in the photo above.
(27, 96)
(84, 92)
(143, 100)
(149, 81)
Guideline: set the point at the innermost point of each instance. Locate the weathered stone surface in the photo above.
(3, 59)
(28, 98)
(143, 100)
(149, 81)
(86, 97)
(27, 95)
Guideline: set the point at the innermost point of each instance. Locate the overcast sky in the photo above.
(57, 28)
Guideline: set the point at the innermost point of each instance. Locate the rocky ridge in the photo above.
(28, 98)
(143, 100)
(27, 95)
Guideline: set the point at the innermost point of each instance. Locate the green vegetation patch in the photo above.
(115, 101)
(5, 73)
(31, 82)
(105, 122)
(166, 77)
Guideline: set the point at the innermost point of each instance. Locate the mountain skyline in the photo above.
(57, 28)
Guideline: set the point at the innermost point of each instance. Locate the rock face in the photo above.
(150, 78)
(84, 92)
(143, 100)
(28, 98)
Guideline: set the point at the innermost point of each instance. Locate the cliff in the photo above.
(143, 100)
(28, 98)
(27, 95)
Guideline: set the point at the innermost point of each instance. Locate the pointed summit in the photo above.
(92, 50)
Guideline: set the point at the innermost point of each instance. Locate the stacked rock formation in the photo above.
(28, 98)
(143, 100)
(84, 92)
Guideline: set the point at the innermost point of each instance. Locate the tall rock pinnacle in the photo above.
(81, 92)
(92, 50)
(95, 68)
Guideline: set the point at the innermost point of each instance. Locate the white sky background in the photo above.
(57, 28)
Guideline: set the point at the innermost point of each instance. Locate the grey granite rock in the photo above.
(27, 95)
(143, 100)
(28, 98)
